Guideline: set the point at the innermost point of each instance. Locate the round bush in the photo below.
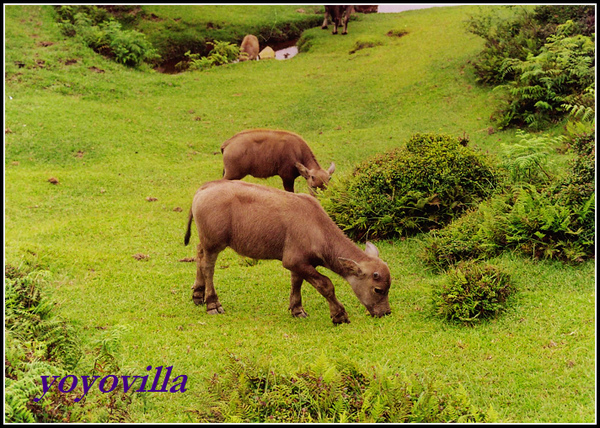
(472, 292)
(415, 188)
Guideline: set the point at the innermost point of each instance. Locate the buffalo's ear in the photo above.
(331, 168)
(302, 170)
(350, 267)
(371, 250)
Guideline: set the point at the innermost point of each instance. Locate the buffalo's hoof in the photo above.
(215, 309)
(341, 318)
(299, 313)
(198, 299)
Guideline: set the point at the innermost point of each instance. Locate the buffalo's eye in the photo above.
(376, 275)
(379, 291)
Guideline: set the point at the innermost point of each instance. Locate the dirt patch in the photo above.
(396, 33)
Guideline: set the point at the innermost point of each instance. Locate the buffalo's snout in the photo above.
(382, 314)
(379, 312)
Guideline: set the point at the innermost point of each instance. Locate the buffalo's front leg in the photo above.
(326, 288)
(213, 306)
(296, 297)
(288, 182)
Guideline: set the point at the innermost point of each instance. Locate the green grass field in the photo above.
(114, 136)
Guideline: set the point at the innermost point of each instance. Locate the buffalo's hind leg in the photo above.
(324, 25)
(296, 297)
(213, 306)
(199, 284)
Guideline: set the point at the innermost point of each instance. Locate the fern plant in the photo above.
(527, 159)
(543, 83)
(105, 35)
(221, 53)
(472, 292)
(327, 392)
(585, 110)
(37, 343)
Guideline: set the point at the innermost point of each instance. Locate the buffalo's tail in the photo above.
(188, 233)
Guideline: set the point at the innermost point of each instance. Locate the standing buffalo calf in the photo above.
(265, 223)
(264, 153)
(336, 13)
(249, 48)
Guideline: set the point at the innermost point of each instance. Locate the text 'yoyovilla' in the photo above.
(110, 382)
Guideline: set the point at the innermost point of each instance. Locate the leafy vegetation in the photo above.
(37, 343)
(552, 220)
(526, 160)
(323, 392)
(221, 53)
(98, 30)
(472, 292)
(539, 60)
(40, 343)
(410, 189)
(558, 75)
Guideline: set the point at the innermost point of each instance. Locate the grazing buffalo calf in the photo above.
(265, 223)
(249, 48)
(336, 13)
(264, 153)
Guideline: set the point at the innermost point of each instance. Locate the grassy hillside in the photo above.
(113, 137)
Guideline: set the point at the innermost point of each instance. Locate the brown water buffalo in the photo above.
(336, 13)
(264, 153)
(265, 223)
(249, 48)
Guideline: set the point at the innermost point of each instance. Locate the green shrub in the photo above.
(472, 292)
(554, 221)
(558, 75)
(539, 61)
(550, 16)
(412, 189)
(521, 33)
(538, 223)
(105, 35)
(527, 160)
(67, 14)
(221, 53)
(331, 393)
(28, 316)
(514, 37)
(37, 343)
(461, 240)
